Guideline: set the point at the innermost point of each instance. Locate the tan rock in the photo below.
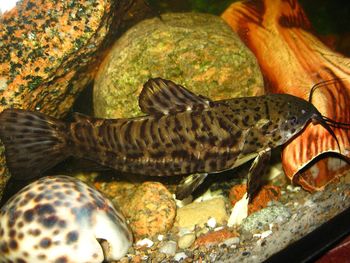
(186, 240)
(197, 214)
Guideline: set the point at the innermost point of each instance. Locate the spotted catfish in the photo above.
(181, 134)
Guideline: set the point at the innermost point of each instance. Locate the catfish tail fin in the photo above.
(34, 142)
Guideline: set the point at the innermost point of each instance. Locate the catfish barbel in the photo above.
(182, 134)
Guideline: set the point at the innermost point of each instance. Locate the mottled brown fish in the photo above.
(181, 134)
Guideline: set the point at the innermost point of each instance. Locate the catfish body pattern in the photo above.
(181, 134)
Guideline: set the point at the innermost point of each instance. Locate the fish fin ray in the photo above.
(188, 184)
(77, 116)
(256, 171)
(34, 142)
(161, 96)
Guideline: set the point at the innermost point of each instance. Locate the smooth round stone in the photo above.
(198, 51)
(169, 248)
(186, 240)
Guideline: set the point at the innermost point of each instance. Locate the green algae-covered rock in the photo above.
(198, 51)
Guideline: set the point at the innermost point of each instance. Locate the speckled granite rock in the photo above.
(258, 221)
(117, 191)
(198, 51)
(49, 49)
(149, 207)
(150, 210)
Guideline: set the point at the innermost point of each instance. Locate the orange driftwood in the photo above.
(292, 60)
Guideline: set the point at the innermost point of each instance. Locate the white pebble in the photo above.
(168, 248)
(211, 222)
(219, 228)
(180, 256)
(293, 189)
(160, 237)
(144, 243)
(185, 230)
(309, 203)
(231, 241)
(265, 234)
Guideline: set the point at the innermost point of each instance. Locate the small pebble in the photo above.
(186, 240)
(211, 222)
(202, 231)
(214, 238)
(180, 256)
(309, 203)
(263, 234)
(219, 228)
(245, 253)
(185, 230)
(293, 189)
(144, 243)
(168, 248)
(231, 241)
(159, 257)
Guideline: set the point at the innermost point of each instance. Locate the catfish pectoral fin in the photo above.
(189, 184)
(255, 172)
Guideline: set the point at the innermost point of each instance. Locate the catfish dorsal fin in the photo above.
(77, 116)
(161, 96)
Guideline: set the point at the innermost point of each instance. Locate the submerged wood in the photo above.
(292, 60)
